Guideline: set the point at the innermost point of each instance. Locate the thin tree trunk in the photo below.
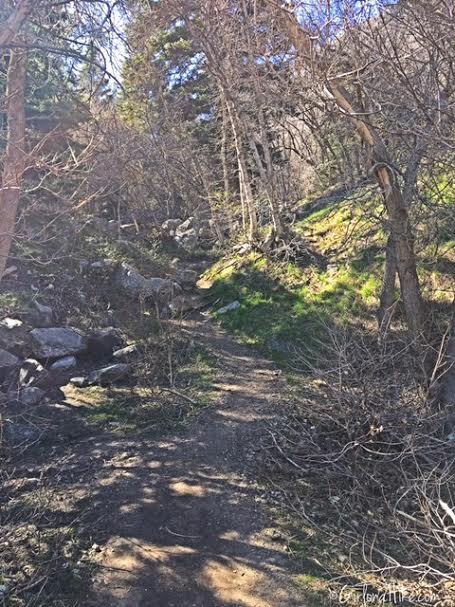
(14, 159)
(246, 193)
(224, 157)
(387, 298)
(402, 236)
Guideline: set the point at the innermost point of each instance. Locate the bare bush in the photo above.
(372, 460)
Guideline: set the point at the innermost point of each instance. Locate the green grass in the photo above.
(283, 306)
(148, 409)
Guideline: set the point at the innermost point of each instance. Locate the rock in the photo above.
(11, 323)
(109, 375)
(161, 290)
(32, 373)
(79, 382)
(7, 361)
(42, 315)
(127, 354)
(188, 240)
(102, 342)
(57, 342)
(235, 305)
(64, 364)
(184, 227)
(14, 336)
(31, 396)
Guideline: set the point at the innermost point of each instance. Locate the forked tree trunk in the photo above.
(14, 159)
(403, 243)
(246, 192)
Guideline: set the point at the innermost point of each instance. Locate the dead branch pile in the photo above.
(365, 457)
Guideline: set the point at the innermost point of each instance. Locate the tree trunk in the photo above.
(224, 156)
(387, 298)
(403, 239)
(246, 193)
(14, 159)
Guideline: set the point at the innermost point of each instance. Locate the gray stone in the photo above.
(187, 240)
(31, 396)
(235, 305)
(127, 354)
(8, 360)
(109, 375)
(64, 364)
(57, 342)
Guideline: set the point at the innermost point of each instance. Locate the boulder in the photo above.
(7, 361)
(109, 375)
(127, 354)
(31, 396)
(32, 373)
(62, 365)
(57, 342)
(14, 336)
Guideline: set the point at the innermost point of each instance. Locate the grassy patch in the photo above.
(149, 408)
(284, 307)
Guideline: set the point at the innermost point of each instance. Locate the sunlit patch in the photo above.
(236, 584)
(183, 488)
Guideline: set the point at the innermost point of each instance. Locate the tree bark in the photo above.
(10, 27)
(403, 241)
(387, 298)
(14, 159)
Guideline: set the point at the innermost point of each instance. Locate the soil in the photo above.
(185, 524)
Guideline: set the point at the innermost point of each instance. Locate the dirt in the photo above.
(183, 515)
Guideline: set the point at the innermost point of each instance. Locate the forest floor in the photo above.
(185, 525)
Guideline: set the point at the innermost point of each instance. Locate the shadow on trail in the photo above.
(181, 522)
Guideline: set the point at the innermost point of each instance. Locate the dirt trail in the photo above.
(185, 525)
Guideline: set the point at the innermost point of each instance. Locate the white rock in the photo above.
(235, 305)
